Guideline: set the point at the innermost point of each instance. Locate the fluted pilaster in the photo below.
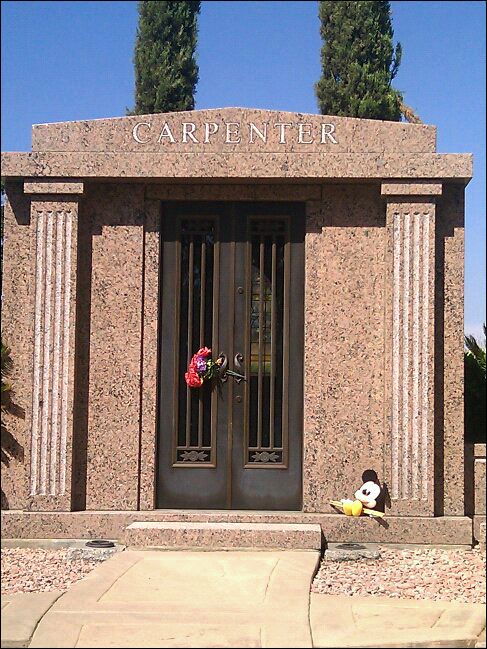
(55, 231)
(411, 226)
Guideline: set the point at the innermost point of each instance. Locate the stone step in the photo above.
(219, 536)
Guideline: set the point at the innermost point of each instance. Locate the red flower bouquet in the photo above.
(203, 368)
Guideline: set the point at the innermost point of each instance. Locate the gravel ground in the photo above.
(29, 570)
(453, 575)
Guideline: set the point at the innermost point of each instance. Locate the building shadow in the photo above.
(10, 447)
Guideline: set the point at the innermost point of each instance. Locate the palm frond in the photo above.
(476, 349)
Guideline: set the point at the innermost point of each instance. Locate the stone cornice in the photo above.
(265, 165)
(407, 188)
(60, 187)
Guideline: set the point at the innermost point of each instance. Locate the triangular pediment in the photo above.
(234, 129)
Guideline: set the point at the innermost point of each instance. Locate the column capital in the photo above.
(422, 191)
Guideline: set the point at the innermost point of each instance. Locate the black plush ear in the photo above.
(382, 499)
(370, 476)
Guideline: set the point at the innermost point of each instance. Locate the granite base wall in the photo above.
(337, 528)
(475, 486)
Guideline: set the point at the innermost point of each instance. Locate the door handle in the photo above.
(222, 361)
(238, 361)
(224, 372)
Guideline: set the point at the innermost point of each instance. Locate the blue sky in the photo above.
(73, 60)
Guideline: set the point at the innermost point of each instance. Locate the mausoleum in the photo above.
(320, 258)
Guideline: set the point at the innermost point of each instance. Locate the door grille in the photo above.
(197, 328)
(268, 313)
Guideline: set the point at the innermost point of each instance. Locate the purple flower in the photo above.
(200, 364)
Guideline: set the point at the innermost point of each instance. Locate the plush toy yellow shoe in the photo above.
(352, 507)
(357, 508)
(364, 503)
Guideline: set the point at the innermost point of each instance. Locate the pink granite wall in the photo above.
(115, 213)
(344, 343)
(449, 351)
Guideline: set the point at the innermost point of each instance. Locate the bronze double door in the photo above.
(232, 279)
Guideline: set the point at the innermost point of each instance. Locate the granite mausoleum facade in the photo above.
(321, 256)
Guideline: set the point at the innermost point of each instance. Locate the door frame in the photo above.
(230, 215)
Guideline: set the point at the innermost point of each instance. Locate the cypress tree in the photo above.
(166, 71)
(359, 61)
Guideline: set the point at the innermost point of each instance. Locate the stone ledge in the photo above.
(411, 189)
(337, 528)
(184, 535)
(92, 554)
(478, 521)
(40, 187)
(481, 538)
(48, 544)
(141, 166)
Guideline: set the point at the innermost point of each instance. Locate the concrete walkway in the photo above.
(386, 622)
(186, 599)
(21, 614)
(227, 599)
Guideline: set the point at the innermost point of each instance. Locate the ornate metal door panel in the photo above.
(232, 278)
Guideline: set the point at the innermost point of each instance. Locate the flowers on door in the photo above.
(203, 368)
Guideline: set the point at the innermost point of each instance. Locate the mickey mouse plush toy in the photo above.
(365, 500)
(368, 494)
